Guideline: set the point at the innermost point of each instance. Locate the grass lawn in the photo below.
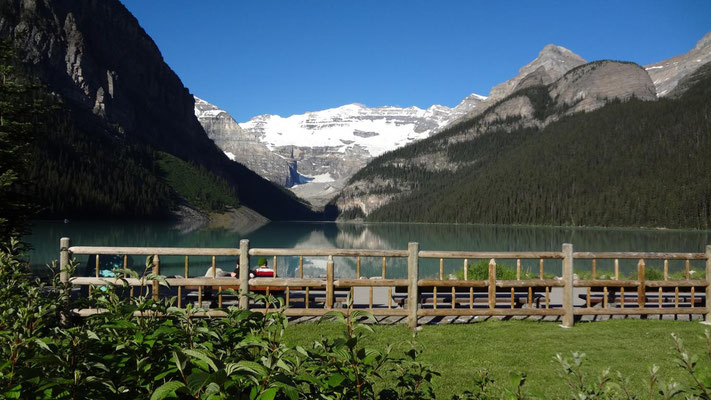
(458, 351)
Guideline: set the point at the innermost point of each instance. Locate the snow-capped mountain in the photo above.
(315, 153)
(376, 130)
(242, 146)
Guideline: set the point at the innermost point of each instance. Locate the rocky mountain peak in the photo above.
(551, 64)
(203, 109)
(556, 60)
(667, 74)
(551, 48)
(705, 41)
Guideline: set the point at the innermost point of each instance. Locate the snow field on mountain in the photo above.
(340, 131)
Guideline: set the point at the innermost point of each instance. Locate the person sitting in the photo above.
(263, 270)
(235, 273)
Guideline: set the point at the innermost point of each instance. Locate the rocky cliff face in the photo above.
(591, 86)
(98, 58)
(315, 153)
(667, 74)
(109, 72)
(244, 147)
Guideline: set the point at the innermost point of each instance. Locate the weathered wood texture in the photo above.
(328, 252)
(489, 254)
(413, 297)
(638, 255)
(160, 251)
(568, 316)
(501, 297)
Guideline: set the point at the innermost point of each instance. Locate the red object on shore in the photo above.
(263, 273)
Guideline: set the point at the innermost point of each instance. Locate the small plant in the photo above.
(414, 378)
(349, 368)
(578, 381)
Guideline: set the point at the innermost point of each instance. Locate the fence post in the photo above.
(413, 298)
(492, 283)
(568, 316)
(329, 282)
(641, 289)
(64, 244)
(708, 287)
(156, 272)
(243, 274)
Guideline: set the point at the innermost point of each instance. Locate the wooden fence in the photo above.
(415, 297)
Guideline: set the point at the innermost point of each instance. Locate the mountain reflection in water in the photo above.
(45, 241)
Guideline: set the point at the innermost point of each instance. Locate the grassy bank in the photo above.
(503, 347)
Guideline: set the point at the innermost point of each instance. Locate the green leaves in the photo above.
(201, 355)
(167, 389)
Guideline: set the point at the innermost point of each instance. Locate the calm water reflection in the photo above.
(45, 240)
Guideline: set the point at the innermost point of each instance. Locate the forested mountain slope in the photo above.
(629, 163)
(120, 105)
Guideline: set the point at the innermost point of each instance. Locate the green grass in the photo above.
(502, 347)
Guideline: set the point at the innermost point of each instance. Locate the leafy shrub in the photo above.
(140, 348)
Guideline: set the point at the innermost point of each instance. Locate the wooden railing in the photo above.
(420, 297)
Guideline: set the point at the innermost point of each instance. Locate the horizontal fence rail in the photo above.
(536, 292)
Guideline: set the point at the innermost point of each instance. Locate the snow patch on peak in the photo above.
(352, 126)
(203, 109)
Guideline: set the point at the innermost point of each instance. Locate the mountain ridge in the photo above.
(314, 153)
(111, 75)
(666, 74)
(629, 163)
(584, 88)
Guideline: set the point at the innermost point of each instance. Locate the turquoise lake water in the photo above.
(46, 234)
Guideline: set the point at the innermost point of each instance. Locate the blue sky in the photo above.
(288, 57)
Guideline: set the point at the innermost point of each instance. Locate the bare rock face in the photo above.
(592, 85)
(112, 76)
(552, 62)
(690, 81)
(517, 106)
(97, 57)
(242, 146)
(667, 74)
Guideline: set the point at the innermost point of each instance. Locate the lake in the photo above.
(46, 234)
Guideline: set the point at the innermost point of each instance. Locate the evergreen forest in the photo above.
(631, 163)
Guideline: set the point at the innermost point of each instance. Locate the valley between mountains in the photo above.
(404, 164)
(108, 130)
